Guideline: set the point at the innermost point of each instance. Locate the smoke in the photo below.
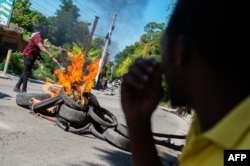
(128, 7)
(129, 22)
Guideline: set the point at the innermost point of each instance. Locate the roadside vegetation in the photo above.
(67, 32)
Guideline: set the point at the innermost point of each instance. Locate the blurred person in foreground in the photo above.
(30, 54)
(205, 63)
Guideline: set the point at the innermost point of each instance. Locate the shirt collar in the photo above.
(232, 126)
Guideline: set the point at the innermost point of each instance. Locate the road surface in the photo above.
(28, 140)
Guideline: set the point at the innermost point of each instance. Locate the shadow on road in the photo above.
(5, 96)
(36, 81)
(111, 158)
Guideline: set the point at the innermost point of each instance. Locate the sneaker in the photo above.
(17, 90)
(24, 91)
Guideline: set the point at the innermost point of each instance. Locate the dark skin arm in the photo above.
(140, 94)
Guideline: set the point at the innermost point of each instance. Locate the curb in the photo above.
(2, 75)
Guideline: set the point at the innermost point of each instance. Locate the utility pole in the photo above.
(107, 42)
(90, 37)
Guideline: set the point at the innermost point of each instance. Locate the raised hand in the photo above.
(141, 89)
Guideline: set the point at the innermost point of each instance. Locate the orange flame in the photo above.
(90, 78)
(73, 77)
(52, 90)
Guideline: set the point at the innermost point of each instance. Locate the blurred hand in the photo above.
(141, 89)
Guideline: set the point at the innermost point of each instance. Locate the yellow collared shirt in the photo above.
(207, 149)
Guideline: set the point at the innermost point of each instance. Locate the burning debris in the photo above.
(72, 106)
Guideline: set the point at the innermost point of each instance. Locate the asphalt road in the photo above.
(27, 140)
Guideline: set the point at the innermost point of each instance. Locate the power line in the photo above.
(84, 10)
(41, 8)
(44, 13)
(53, 6)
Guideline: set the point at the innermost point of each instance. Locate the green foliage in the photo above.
(48, 63)
(65, 30)
(24, 17)
(97, 43)
(152, 30)
(39, 21)
(123, 68)
(148, 47)
(46, 68)
(107, 71)
(42, 74)
(15, 64)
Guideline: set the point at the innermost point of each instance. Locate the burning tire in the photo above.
(42, 106)
(103, 117)
(22, 99)
(72, 115)
(116, 139)
(92, 100)
(70, 102)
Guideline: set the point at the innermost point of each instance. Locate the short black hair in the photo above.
(220, 32)
(43, 31)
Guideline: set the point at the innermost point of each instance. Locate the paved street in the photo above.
(27, 140)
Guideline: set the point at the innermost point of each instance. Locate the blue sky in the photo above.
(133, 15)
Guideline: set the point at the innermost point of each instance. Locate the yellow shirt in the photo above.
(207, 149)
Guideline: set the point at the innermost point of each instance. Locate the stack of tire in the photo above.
(73, 117)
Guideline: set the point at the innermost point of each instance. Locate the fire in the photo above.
(51, 90)
(90, 78)
(73, 78)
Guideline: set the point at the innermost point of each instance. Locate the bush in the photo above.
(15, 65)
(42, 74)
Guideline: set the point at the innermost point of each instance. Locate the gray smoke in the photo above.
(130, 19)
(128, 7)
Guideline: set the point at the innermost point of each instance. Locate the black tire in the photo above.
(116, 139)
(64, 124)
(122, 129)
(22, 99)
(92, 99)
(45, 104)
(72, 115)
(97, 131)
(69, 102)
(103, 117)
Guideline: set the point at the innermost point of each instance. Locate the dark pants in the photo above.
(28, 65)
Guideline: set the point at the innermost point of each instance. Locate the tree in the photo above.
(97, 43)
(23, 17)
(66, 29)
(121, 56)
(152, 30)
(147, 47)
